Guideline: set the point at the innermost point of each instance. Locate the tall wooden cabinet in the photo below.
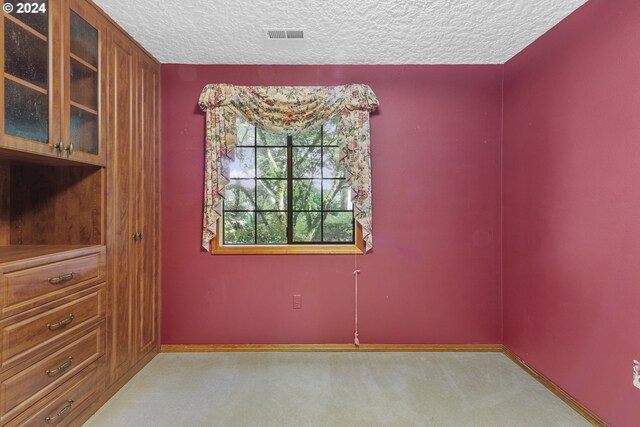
(121, 196)
(148, 208)
(79, 212)
(134, 197)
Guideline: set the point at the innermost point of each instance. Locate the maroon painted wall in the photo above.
(572, 206)
(434, 273)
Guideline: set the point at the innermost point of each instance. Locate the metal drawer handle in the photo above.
(64, 411)
(60, 369)
(60, 324)
(61, 279)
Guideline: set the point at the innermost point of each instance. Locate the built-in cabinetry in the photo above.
(79, 212)
(52, 330)
(134, 203)
(54, 82)
(84, 77)
(147, 242)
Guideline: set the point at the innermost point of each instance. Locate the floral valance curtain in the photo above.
(287, 110)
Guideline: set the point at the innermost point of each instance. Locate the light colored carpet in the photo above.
(333, 389)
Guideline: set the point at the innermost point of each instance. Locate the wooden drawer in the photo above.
(26, 334)
(29, 283)
(67, 402)
(23, 389)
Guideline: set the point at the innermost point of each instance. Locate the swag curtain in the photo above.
(287, 110)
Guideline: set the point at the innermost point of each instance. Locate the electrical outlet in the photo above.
(297, 302)
(636, 373)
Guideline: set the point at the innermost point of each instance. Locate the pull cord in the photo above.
(356, 272)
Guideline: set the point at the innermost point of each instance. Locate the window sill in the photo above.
(348, 249)
(286, 250)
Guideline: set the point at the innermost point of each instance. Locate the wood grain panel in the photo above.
(112, 389)
(121, 191)
(26, 334)
(29, 385)
(53, 205)
(147, 208)
(79, 392)
(23, 286)
(25, 256)
(5, 213)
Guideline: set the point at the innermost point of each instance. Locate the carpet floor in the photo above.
(333, 389)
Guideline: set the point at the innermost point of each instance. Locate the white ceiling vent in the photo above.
(284, 33)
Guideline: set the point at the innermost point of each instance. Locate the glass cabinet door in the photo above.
(83, 122)
(30, 121)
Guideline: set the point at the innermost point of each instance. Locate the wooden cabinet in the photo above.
(134, 204)
(79, 212)
(84, 98)
(67, 402)
(30, 90)
(22, 389)
(52, 323)
(147, 244)
(53, 82)
(34, 275)
(121, 196)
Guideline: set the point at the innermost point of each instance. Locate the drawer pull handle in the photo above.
(61, 279)
(60, 369)
(60, 324)
(64, 411)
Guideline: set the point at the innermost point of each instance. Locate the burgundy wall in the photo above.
(572, 206)
(434, 273)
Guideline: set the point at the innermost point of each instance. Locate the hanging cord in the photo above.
(356, 341)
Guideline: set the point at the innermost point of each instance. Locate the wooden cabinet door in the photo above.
(84, 103)
(147, 282)
(30, 98)
(121, 190)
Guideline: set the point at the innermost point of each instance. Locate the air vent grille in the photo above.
(284, 33)
(295, 34)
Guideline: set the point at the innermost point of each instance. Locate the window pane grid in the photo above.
(255, 187)
(261, 179)
(330, 222)
(322, 215)
(293, 210)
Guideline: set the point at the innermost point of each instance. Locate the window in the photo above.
(287, 194)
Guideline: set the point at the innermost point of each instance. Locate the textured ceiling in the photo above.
(337, 31)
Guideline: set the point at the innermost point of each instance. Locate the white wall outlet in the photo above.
(636, 373)
(297, 302)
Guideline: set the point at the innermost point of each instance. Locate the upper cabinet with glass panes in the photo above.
(52, 81)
